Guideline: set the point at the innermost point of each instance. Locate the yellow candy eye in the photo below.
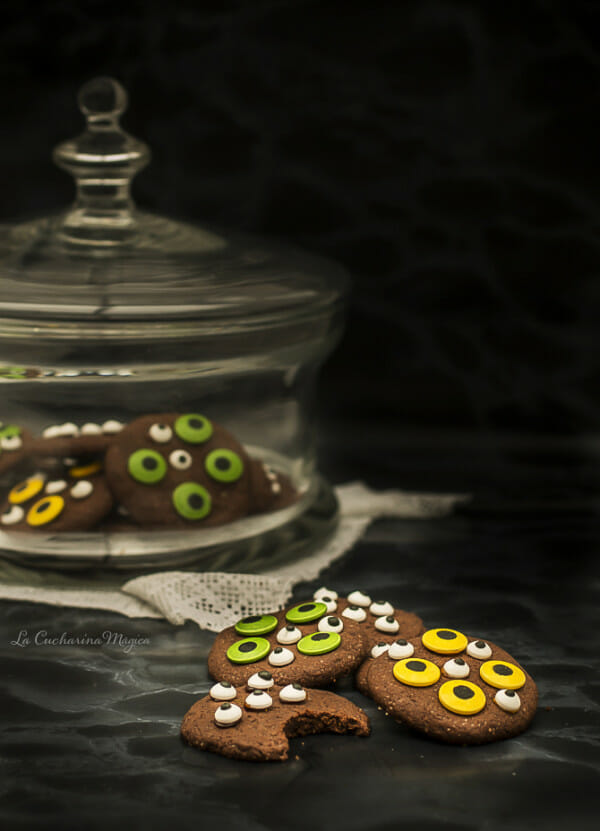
(462, 697)
(45, 510)
(26, 490)
(81, 471)
(502, 675)
(444, 641)
(416, 672)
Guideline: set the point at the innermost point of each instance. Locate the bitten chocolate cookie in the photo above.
(172, 470)
(256, 722)
(55, 505)
(314, 642)
(452, 687)
(14, 446)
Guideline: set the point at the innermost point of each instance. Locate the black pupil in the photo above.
(459, 661)
(42, 507)
(416, 666)
(307, 607)
(225, 684)
(333, 621)
(265, 675)
(257, 692)
(149, 463)
(500, 669)
(480, 644)
(252, 619)
(510, 693)
(290, 628)
(297, 686)
(445, 635)
(390, 618)
(278, 649)
(195, 424)
(222, 463)
(463, 692)
(320, 636)
(247, 647)
(401, 642)
(225, 706)
(195, 501)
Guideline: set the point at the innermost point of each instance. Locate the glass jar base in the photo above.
(254, 544)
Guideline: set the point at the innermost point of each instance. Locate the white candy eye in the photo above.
(479, 649)
(325, 592)
(380, 649)
(508, 700)
(12, 515)
(228, 714)
(82, 489)
(57, 486)
(401, 649)
(387, 624)
(222, 691)
(354, 613)
(330, 624)
(280, 657)
(358, 598)
(456, 668)
(258, 700)
(262, 680)
(160, 433)
(289, 634)
(51, 432)
(11, 442)
(329, 602)
(381, 607)
(180, 459)
(292, 694)
(112, 426)
(91, 429)
(68, 429)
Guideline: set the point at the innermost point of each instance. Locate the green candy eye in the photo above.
(9, 431)
(248, 650)
(256, 625)
(192, 501)
(147, 466)
(306, 612)
(193, 428)
(319, 643)
(224, 465)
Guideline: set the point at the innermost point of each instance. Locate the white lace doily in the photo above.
(217, 599)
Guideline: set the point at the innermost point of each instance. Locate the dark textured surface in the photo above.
(90, 734)
(444, 150)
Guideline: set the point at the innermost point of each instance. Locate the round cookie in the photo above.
(69, 439)
(15, 444)
(454, 688)
(181, 470)
(44, 505)
(256, 724)
(313, 642)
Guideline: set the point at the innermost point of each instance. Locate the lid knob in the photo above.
(103, 160)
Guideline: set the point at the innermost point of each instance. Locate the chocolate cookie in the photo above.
(69, 439)
(14, 446)
(172, 470)
(314, 642)
(452, 687)
(255, 722)
(54, 505)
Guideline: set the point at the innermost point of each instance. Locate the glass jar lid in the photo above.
(104, 263)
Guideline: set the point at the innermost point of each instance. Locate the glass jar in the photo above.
(108, 313)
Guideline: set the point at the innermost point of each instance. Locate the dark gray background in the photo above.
(445, 152)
